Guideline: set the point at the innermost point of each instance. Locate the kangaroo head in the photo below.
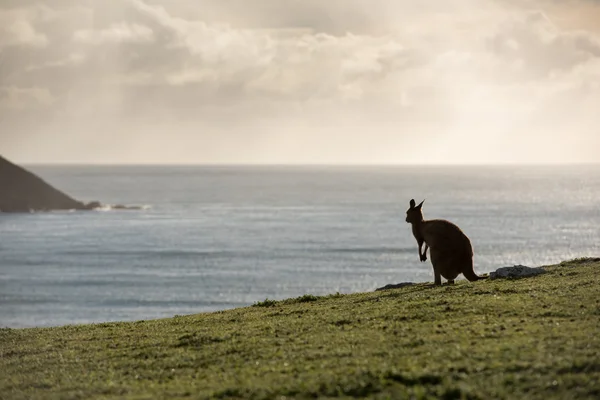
(414, 213)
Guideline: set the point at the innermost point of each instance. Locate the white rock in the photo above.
(518, 271)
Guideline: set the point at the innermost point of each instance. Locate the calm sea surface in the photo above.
(213, 238)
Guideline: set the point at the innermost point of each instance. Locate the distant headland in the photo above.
(23, 191)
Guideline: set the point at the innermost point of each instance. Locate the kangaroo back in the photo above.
(444, 236)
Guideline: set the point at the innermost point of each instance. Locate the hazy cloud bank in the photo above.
(272, 81)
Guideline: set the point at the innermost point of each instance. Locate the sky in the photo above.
(300, 81)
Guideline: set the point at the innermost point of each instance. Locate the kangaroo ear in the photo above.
(421, 204)
(412, 203)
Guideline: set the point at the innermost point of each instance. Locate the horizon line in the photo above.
(191, 164)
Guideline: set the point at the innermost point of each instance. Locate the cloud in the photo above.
(319, 81)
(72, 59)
(116, 33)
(538, 47)
(267, 64)
(14, 98)
(17, 29)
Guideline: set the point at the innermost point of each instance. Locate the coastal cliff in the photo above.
(23, 191)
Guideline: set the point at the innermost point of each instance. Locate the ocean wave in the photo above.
(165, 304)
(113, 207)
(371, 250)
(153, 253)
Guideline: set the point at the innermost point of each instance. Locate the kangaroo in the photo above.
(450, 249)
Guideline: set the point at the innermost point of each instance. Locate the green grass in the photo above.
(533, 338)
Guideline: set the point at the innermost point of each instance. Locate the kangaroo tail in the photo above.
(471, 276)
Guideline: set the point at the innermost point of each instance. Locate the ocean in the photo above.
(218, 237)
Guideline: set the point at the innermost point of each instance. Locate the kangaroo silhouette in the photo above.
(450, 249)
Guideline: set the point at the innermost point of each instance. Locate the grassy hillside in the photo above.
(534, 338)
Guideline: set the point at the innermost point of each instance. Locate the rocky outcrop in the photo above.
(515, 272)
(394, 286)
(23, 191)
(518, 271)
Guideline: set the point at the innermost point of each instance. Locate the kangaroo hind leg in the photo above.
(437, 278)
